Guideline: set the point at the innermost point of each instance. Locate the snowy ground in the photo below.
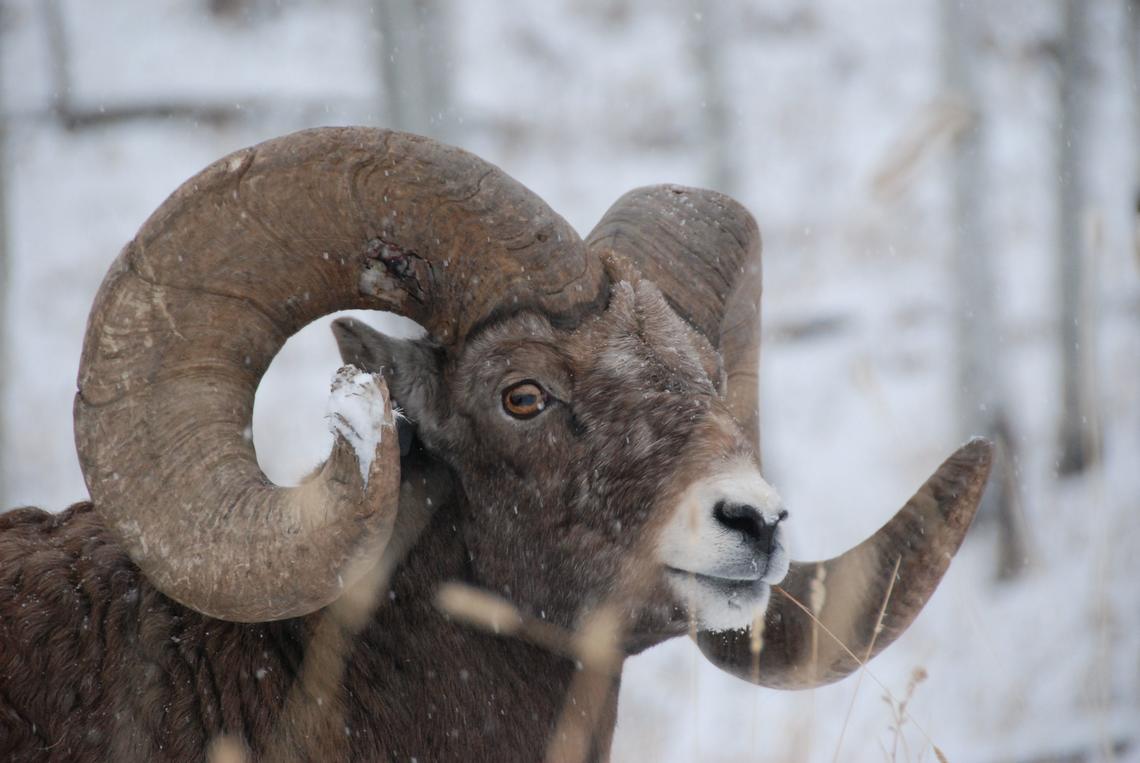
(583, 99)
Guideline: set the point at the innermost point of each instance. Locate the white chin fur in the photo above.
(720, 605)
(722, 579)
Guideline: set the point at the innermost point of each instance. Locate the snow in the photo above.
(582, 100)
(359, 412)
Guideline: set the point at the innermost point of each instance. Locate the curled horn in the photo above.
(702, 249)
(239, 258)
(827, 618)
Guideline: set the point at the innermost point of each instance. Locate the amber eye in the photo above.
(525, 400)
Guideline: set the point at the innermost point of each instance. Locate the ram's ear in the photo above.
(411, 367)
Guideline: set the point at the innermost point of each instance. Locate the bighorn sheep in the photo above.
(585, 441)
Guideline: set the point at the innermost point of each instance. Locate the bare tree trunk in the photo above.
(230, 8)
(415, 55)
(1078, 442)
(708, 25)
(60, 60)
(980, 405)
(74, 117)
(3, 282)
(972, 272)
(1132, 43)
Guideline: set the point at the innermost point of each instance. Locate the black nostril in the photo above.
(748, 521)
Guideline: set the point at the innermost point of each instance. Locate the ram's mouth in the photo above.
(719, 603)
(715, 580)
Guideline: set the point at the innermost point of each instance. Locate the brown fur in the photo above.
(556, 514)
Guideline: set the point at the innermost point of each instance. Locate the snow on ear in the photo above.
(359, 412)
(410, 367)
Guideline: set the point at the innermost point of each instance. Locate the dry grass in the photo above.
(900, 714)
(595, 647)
(867, 656)
(936, 126)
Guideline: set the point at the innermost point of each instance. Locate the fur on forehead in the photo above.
(508, 333)
(524, 345)
(642, 329)
(637, 325)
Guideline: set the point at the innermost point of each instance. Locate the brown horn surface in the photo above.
(856, 610)
(702, 250)
(239, 258)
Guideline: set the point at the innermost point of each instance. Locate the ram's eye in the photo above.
(525, 400)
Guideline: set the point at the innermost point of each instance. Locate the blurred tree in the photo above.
(3, 272)
(1078, 441)
(708, 27)
(229, 8)
(415, 56)
(59, 60)
(244, 11)
(1132, 50)
(981, 407)
(73, 116)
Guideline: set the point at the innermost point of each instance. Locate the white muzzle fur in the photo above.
(724, 547)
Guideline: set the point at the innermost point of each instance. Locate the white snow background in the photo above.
(582, 100)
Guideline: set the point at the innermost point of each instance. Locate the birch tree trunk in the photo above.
(975, 336)
(707, 22)
(3, 281)
(1078, 444)
(1132, 43)
(980, 406)
(60, 61)
(415, 55)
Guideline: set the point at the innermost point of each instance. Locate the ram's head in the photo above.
(592, 406)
